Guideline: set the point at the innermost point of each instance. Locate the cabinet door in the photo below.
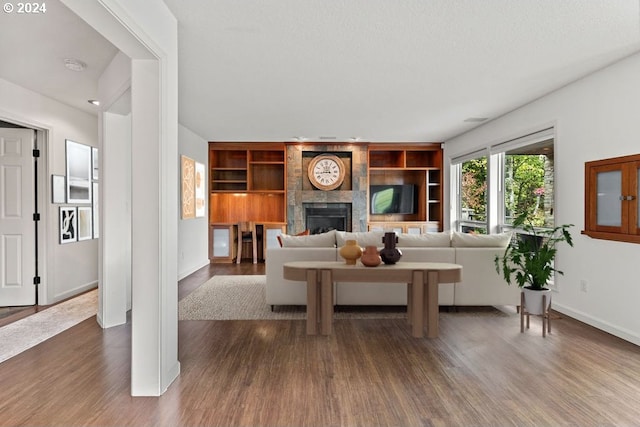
(608, 212)
(222, 242)
(612, 210)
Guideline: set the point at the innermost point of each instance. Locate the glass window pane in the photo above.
(528, 186)
(609, 206)
(473, 196)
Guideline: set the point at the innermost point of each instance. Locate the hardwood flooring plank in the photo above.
(481, 371)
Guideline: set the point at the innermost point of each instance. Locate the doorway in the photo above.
(19, 217)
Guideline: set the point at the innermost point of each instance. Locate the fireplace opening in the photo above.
(320, 219)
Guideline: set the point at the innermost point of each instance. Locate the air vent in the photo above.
(324, 138)
(476, 119)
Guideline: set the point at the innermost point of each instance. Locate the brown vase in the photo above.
(370, 257)
(390, 254)
(351, 252)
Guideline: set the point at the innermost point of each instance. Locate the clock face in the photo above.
(326, 172)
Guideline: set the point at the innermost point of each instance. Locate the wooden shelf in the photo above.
(420, 165)
(248, 183)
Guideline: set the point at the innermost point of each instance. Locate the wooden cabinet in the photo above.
(248, 183)
(417, 165)
(612, 211)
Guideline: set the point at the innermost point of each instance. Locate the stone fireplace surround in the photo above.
(299, 196)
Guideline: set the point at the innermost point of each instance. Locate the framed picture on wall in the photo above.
(96, 211)
(188, 187)
(68, 224)
(79, 172)
(94, 164)
(200, 190)
(85, 224)
(58, 189)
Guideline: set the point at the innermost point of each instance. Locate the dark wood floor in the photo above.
(481, 371)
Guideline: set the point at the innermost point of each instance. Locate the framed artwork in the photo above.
(85, 225)
(94, 163)
(79, 172)
(188, 187)
(96, 210)
(68, 224)
(58, 189)
(200, 189)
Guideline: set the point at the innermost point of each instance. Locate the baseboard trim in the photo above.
(597, 323)
(191, 270)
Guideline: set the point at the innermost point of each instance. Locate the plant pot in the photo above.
(351, 252)
(533, 300)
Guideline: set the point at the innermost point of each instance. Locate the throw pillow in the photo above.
(302, 233)
(427, 240)
(363, 238)
(323, 240)
(461, 240)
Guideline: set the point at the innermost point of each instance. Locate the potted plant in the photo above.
(529, 261)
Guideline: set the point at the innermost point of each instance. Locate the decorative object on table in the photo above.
(326, 172)
(390, 254)
(370, 257)
(529, 262)
(351, 252)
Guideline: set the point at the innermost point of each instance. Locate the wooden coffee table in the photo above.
(422, 305)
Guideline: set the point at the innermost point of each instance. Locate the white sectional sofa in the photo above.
(481, 285)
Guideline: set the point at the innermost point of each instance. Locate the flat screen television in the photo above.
(393, 199)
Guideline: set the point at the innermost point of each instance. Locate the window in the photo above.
(474, 196)
(612, 211)
(494, 185)
(528, 184)
(471, 176)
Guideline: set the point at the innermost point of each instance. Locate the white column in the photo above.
(115, 220)
(154, 227)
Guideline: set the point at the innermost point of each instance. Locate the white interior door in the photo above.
(17, 233)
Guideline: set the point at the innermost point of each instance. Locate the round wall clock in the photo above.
(326, 172)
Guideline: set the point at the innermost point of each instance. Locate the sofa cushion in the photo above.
(428, 240)
(363, 238)
(322, 240)
(462, 240)
(302, 233)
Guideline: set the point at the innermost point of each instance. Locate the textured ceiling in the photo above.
(33, 48)
(377, 70)
(383, 70)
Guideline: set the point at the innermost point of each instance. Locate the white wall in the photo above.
(193, 242)
(595, 118)
(72, 268)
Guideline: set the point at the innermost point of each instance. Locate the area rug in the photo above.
(243, 298)
(25, 333)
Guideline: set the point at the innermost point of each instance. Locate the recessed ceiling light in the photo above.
(476, 119)
(94, 102)
(74, 64)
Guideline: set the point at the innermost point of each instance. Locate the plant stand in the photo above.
(546, 319)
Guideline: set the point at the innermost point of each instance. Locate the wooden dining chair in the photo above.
(246, 235)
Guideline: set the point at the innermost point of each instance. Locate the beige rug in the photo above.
(25, 333)
(243, 298)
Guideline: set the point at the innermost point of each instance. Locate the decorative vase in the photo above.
(533, 300)
(351, 252)
(390, 254)
(370, 257)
